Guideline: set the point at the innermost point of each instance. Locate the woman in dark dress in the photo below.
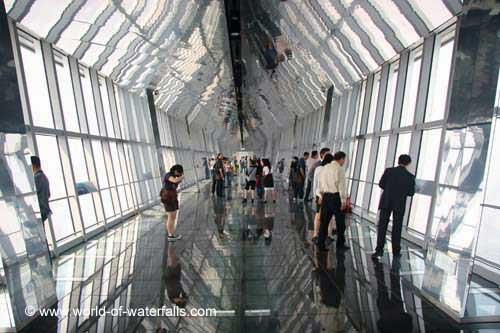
(169, 199)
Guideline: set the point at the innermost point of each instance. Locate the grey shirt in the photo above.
(313, 168)
(252, 173)
(43, 193)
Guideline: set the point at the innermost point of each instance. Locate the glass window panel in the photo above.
(403, 146)
(88, 211)
(493, 181)
(373, 104)
(411, 87)
(36, 82)
(487, 247)
(78, 160)
(61, 219)
(48, 151)
(107, 203)
(440, 75)
(88, 97)
(106, 108)
(116, 162)
(360, 193)
(351, 161)
(18, 166)
(359, 113)
(375, 197)
(420, 207)
(121, 116)
(99, 163)
(116, 203)
(390, 96)
(381, 158)
(366, 159)
(427, 158)
(66, 92)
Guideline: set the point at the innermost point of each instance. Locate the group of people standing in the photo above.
(259, 178)
(324, 175)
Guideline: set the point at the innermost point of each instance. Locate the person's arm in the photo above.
(176, 180)
(316, 179)
(383, 180)
(341, 185)
(411, 190)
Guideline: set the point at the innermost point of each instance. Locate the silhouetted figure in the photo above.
(393, 317)
(42, 187)
(397, 183)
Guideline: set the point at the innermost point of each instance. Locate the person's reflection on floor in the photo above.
(330, 279)
(248, 223)
(172, 273)
(393, 317)
(265, 221)
(220, 215)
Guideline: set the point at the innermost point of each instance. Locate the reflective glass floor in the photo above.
(253, 263)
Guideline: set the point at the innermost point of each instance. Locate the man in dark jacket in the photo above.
(397, 183)
(42, 187)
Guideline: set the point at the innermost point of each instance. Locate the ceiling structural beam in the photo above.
(161, 25)
(115, 39)
(86, 40)
(412, 17)
(382, 24)
(356, 62)
(65, 20)
(20, 9)
(454, 6)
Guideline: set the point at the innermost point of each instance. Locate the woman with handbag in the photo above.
(168, 195)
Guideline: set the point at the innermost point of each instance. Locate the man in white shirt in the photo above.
(333, 195)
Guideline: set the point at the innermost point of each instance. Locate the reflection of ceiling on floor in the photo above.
(323, 42)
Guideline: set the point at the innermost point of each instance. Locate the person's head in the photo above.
(266, 162)
(327, 159)
(35, 163)
(179, 300)
(323, 152)
(177, 170)
(404, 160)
(306, 155)
(220, 156)
(339, 157)
(314, 154)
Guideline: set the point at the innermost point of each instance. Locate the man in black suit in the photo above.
(397, 183)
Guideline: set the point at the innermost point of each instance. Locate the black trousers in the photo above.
(330, 206)
(298, 190)
(397, 225)
(308, 189)
(219, 187)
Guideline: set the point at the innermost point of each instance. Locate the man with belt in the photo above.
(333, 195)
